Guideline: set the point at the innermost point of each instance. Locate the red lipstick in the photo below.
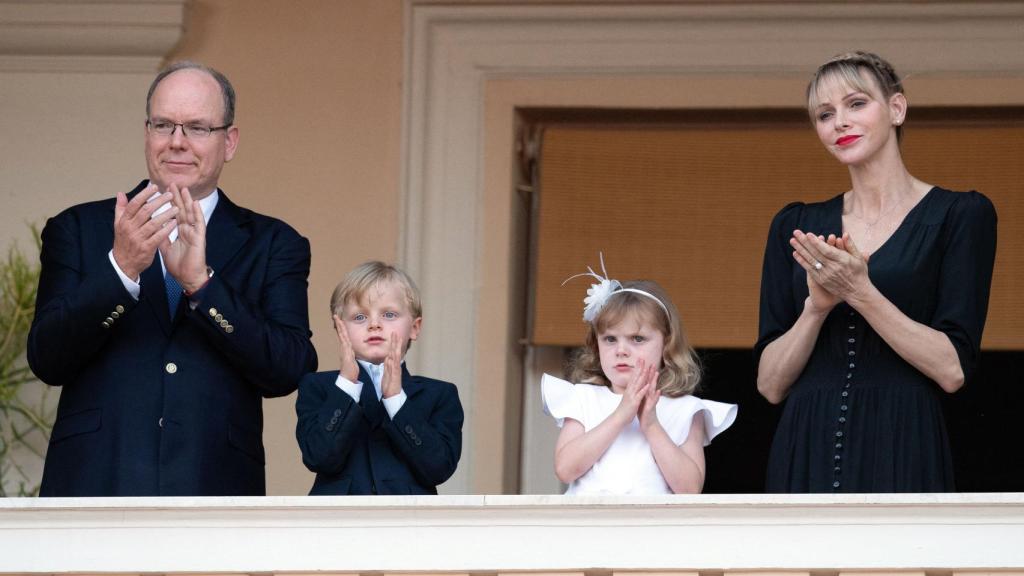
(844, 140)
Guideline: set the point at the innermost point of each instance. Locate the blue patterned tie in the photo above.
(174, 291)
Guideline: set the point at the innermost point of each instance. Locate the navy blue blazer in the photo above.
(356, 448)
(154, 405)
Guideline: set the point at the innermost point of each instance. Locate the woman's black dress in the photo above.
(859, 418)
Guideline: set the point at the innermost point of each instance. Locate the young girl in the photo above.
(629, 427)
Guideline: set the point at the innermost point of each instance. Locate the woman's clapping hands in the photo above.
(836, 269)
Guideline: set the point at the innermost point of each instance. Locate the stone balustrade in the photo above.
(706, 535)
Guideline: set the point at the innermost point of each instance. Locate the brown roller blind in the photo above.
(690, 205)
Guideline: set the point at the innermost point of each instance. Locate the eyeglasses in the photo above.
(190, 130)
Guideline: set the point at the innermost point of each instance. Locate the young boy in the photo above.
(370, 427)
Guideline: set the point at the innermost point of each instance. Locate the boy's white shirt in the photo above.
(376, 372)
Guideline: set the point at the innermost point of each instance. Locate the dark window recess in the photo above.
(981, 420)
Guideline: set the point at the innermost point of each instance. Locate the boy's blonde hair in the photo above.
(367, 275)
(680, 373)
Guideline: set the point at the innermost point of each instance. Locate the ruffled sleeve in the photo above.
(718, 416)
(679, 414)
(560, 399)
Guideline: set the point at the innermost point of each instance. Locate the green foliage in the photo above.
(26, 414)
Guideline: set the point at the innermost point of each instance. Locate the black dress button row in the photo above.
(851, 353)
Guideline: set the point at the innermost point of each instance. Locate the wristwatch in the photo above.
(209, 274)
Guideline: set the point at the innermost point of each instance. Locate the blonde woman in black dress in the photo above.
(872, 303)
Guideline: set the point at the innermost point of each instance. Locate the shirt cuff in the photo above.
(394, 404)
(353, 389)
(130, 285)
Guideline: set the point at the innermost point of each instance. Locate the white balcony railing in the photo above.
(944, 534)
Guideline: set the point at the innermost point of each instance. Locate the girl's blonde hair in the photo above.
(863, 71)
(681, 371)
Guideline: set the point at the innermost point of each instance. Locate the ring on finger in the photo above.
(817, 265)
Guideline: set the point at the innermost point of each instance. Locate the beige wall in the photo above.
(66, 138)
(319, 109)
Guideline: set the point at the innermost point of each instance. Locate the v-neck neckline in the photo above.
(899, 228)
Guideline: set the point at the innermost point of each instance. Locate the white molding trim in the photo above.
(88, 36)
(488, 534)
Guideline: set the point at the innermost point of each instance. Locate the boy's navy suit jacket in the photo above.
(356, 448)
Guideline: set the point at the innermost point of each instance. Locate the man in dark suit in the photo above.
(167, 314)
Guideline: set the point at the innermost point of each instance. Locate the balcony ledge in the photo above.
(461, 534)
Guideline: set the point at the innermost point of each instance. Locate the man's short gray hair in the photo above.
(226, 89)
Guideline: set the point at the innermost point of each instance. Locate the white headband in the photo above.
(598, 294)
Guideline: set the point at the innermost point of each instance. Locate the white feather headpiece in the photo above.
(598, 294)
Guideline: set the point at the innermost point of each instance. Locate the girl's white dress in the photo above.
(628, 467)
